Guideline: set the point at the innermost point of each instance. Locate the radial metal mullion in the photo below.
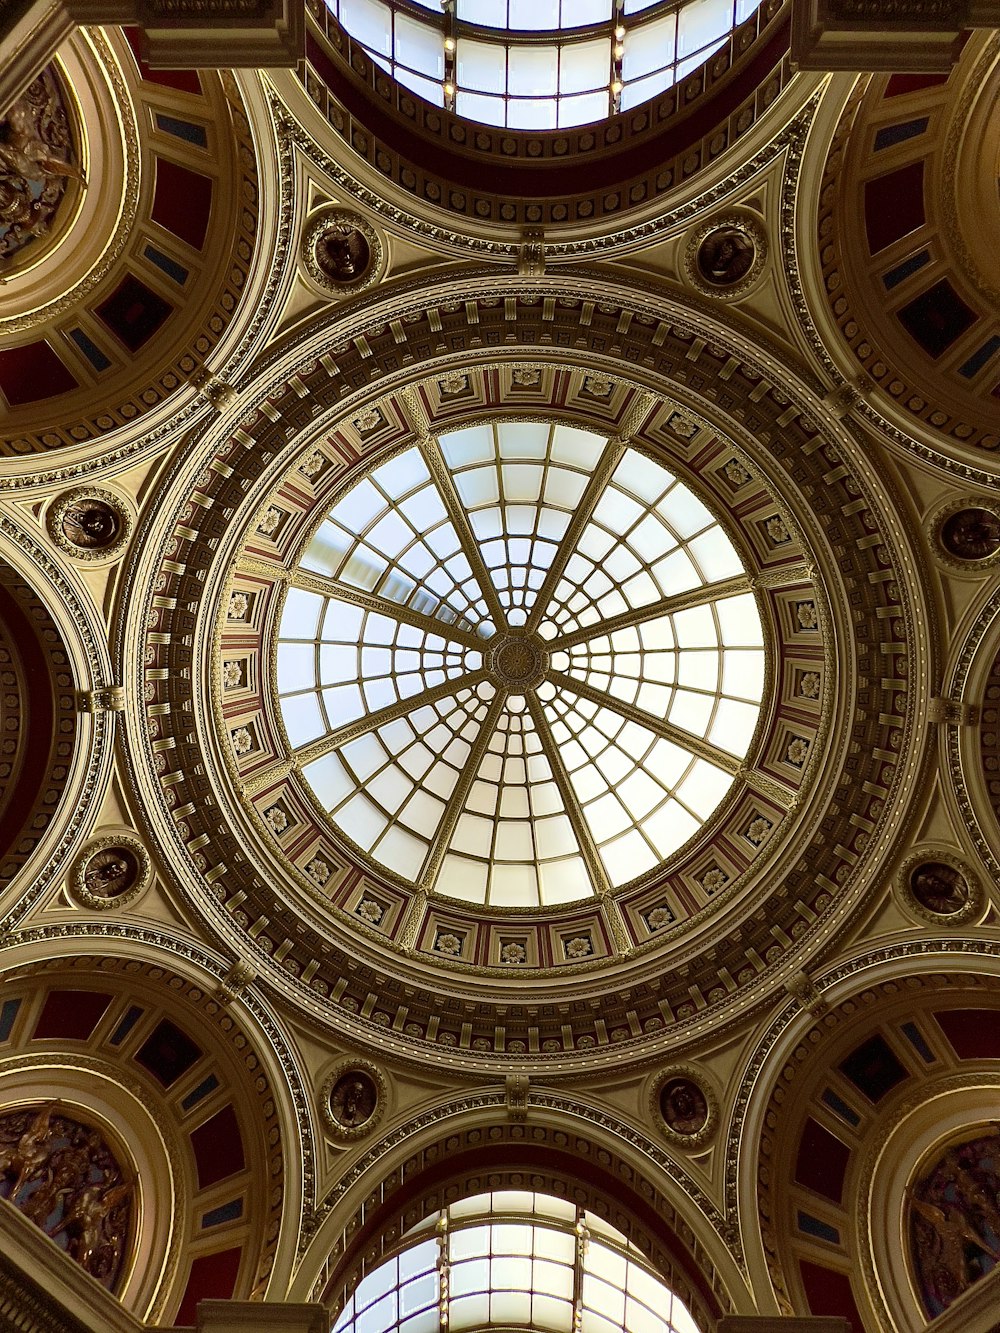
(574, 811)
(596, 487)
(372, 721)
(330, 587)
(707, 594)
(430, 450)
(456, 803)
(658, 726)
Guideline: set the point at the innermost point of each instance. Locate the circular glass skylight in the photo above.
(519, 665)
(489, 61)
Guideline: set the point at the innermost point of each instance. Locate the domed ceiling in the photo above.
(522, 667)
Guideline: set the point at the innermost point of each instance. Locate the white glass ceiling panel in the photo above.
(649, 47)
(419, 47)
(563, 82)
(538, 700)
(480, 1275)
(538, 14)
(481, 66)
(701, 22)
(583, 66)
(532, 114)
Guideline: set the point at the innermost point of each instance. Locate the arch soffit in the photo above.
(810, 295)
(75, 644)
(970, 755)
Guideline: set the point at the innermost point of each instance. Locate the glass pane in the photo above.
(370, 22)
(534, 14)
(701, 22)
(481, 66)
(491, 13)
(641, 90)
(649, 47)
(532, 70)
(584, 66)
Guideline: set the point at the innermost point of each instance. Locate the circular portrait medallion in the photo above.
(687, 1108)
(342, 252)
(352, 1099)
(935, 886)
(90, 523)
(110, 872)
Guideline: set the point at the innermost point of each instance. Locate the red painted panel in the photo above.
(213, 1278)
(218, 1147)
(182, 202)
(184, 80)
(33, 371)
(894, 205)
(168, 1052)
(133, 312)
(912, 83)
(70, 1014)
(822, 1161)
(973, 1033)
(829, 1293)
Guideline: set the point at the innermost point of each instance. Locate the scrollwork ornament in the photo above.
(90, 523)
(684, 1106)
(725, 254)
(110, 872)
(935, 886)
(342, 252)
(965, 534)
(352, 1099)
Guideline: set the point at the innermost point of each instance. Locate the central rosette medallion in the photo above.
(518, 662)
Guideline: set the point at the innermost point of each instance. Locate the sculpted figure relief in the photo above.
(939, 888)
(353, 1099)
(91, 524)
(342, 253)
(110, 873)
(36, 154)
(725, 256)
(971, 534)
(64, 1177)
(955, 1221)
